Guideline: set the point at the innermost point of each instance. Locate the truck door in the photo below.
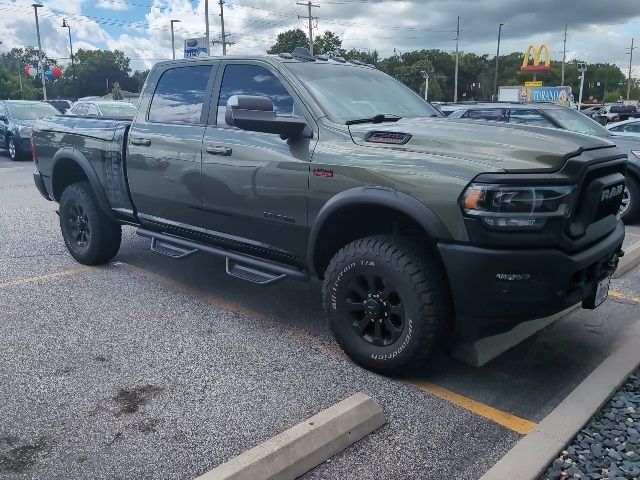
(164, 150)
(255, 185)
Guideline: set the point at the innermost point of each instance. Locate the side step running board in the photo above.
(245, 267)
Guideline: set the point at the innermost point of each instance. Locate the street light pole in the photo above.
(425, 75)
(206, 23)
(41, 66)
(495, 77)
(455, 79)
(173, 43)
(73, 64)
(582, 68)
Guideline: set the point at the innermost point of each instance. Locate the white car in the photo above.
(102, 108)
(629, 127)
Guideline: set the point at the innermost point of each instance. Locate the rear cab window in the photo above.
(180, 95)
(494, 115)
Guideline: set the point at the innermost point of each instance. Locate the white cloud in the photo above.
(113, 5)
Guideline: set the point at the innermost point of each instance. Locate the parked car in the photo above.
(592, 111)
(555, 116)
(297, 166)
(17, 118)
(61, 105)
(627, 128)
(616, 113)
(103, 108)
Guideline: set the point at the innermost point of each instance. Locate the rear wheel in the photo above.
(630, 207)
(91, 237)
(388, 303)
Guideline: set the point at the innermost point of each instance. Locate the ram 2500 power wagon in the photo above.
(293, 166)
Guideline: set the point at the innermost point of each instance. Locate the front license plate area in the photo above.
(599, 294)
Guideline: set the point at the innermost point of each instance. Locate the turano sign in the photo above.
(195, 47)
(561, 95)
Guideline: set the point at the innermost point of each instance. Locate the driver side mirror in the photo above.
(256, 114)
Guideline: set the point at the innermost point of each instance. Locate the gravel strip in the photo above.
(608, 448)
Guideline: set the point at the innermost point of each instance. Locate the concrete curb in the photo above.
(532, 455)
(630, 260)
(485, 349)
(306, 445)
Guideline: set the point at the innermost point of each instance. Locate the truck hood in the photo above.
(501, 147)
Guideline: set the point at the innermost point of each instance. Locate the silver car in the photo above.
(103, 108)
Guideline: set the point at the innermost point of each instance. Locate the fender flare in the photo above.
(379, 196)
(71, 154)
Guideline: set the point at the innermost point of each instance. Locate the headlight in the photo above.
(636, 153)
(508, 206)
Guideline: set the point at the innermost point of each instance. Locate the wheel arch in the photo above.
(349, 214)
(71, 166)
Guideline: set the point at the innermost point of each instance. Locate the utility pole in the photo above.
(224, 38)
(582, 68)
(40, 66)
(173, 42)
(630, 63)
(564, 54)
(311, 19)
(73, 64)
(455, 80)
(206, 23)
(495, 78)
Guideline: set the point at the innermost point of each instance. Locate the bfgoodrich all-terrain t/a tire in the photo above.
(91, 237)
(388, 303)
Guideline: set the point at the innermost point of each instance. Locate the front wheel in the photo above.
(91, 237)
(12, 148)
(630, 207)
(388, 303)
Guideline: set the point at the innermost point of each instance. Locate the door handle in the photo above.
(224, 151)
(143, 142)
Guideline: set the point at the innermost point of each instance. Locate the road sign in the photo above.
(195, 47)
(537, 83)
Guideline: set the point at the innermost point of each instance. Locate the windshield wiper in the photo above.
(381, 117)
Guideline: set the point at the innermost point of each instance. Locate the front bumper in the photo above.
(486, 305)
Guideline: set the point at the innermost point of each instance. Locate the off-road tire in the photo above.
(422, 288)
(632, 213)
(80, 212)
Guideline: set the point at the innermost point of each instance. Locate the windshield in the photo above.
(577, 122)
(347, 92)
(118, 110)
(31, 111)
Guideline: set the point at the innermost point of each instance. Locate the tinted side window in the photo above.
(619, 128)
(253, 80)
(528, 117)
(179, 95)
(632, 127)
(494, 115)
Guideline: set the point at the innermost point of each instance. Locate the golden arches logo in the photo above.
(536, 53)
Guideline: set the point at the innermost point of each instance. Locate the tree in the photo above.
(326, 43)
(116, 93)
(289, 40)
(140, 77)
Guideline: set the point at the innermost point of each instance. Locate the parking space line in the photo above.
(49, 276)
(512, 422)
(622, 296)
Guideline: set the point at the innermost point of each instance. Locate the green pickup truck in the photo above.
(423, 229)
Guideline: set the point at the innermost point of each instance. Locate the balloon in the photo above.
(32, 72)
(57, 71)
(26, 69)
(48, 74)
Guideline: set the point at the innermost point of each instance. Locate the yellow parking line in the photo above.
(622, 296)
(517, 424)
(505, 419)
(49, 276)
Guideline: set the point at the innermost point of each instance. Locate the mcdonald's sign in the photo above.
(536, 53)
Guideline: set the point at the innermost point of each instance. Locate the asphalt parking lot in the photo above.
(151, 367)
